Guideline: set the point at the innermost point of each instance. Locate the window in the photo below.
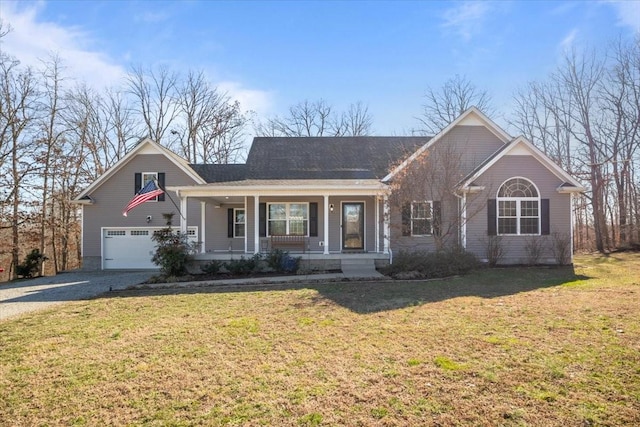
(288, 218)
(518, 207)
(150, 176)
(421, 218)
(238, 222)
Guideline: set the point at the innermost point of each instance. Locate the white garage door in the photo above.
(131, 248)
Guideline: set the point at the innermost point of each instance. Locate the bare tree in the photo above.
(213, 122)
(155, 93)
(318, 119)
(18, 109)
(586, 116)
(445, 104)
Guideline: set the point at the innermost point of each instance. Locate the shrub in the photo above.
(243, 266)
(495, 250)
(534, 246)
(281, 261)
(561, 248)
(172, 252)
(30, 267)
(422, 264)
(212, 267)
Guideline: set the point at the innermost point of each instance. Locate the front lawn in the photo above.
(513, 346)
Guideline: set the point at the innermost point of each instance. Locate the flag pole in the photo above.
(170, 198)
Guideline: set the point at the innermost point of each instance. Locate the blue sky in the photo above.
(270, 55)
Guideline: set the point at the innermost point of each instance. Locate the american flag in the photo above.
(148, 192)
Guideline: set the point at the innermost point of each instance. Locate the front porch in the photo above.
(322, 221)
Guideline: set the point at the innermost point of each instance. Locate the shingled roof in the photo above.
(359, 157)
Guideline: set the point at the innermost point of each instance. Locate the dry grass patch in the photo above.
(521, 346)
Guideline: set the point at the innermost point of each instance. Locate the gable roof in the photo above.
(359, 157)
(570, 184)
(471, 117)
(145, 146)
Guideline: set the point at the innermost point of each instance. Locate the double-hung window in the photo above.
(238, 223)
(288, 218)
(518, 208)
(421, 218)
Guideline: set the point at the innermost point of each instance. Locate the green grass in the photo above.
(513, 347)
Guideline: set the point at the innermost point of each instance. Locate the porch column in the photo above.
(203, 212)
(256, 224)
(183, 214)
(326, 225)
(246, 242)
(377, 217)
(386, 228)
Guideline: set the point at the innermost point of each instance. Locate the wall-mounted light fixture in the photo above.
(331, 207)
(149, 218)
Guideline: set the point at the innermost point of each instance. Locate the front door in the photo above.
(353, 226)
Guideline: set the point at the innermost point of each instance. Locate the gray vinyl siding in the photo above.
(217, 233)
(547, 184)
(112, 196)
(449, 229)
(474, 143)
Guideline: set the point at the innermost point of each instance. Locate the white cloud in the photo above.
(32, 40)
(567, 42)
(250, 99)
(628, 13)
(466, 18)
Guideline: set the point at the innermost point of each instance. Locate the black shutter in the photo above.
(406, 219)
(313, 219)
(230, 222)
(137, 182)
(544, 217)
(161, 185)
(262, 230)
(437, 218)
(492, 217)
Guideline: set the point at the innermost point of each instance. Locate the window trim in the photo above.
(429, 218)
(287, 218)
(144, 182)
(235, 223)
(518, 216)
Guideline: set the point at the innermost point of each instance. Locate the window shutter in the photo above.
(161, 185)
(137, 182)
(492, 214)
(437, 217)
(545, 220)
(313, 219)
(262, 230)
(406, 219)
(230, 222)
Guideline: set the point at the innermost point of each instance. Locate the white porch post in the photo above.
(326, 225)
(386, 228)
(203, 222)
(256, 224)
(377, 216)
(246, 241)
(183, 214)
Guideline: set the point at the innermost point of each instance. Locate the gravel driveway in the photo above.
(17, 298)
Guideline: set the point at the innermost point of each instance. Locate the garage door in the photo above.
(131, 248)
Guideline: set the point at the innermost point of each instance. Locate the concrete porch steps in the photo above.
(358, 268)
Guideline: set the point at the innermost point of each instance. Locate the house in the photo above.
(334, 198)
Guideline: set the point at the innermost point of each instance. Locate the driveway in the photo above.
(17, 298)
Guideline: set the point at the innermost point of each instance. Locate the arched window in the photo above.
(518, 207)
